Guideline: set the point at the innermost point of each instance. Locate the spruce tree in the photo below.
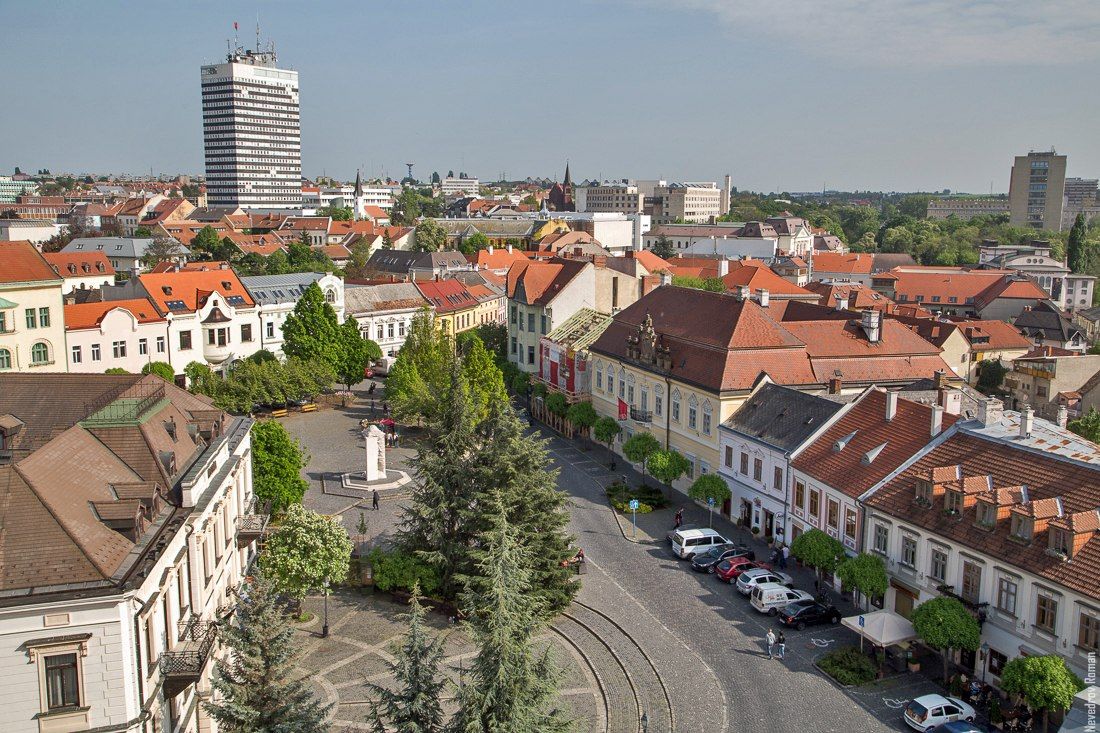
(256, 690)
(414, 706)
(510, 688)
(1076, 250)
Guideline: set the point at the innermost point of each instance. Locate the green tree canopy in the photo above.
(709, 486)
(668, 465)
(991, 375)
(207, 240)
(115, 370)
(421, 371)
(277, 462)
(556, 405)
(353, 353)
(429, 236)
(312, 330)
(663, 248)
(1076, 246)
(161, 249)
(306, 551)
(865, 573)
(818, 550)
(1087, 426)
(484, 381)
(256, 680)
(582, 415)
(639, 447)
(337, 213)
(606, 430)
(712, 284)
(473, 244)
(162, 369)
(1045, 682)
(943, 623)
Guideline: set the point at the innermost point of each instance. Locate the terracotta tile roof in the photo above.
(483, 293)
(993, 336)
(1042, 351)
(446, 296)
(86, 264)
(754, 274)
(542, 281)
(192, 288)
(959, 286)
(650, 261)
(1045, 477)
(849, 264)
(336, 251)
(855, 295)
(133, 206)
(376, 212)
(260, 244)
(306, 223)
(343, 228)
(1086, 521)
(21, 262)
(847, 470)
(499, 259)
(89, 315)
(688, 271)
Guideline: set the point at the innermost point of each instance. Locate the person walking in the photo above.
(679, 521)
(770, 641)
(781, 645)
(374, 500)
(786, 553)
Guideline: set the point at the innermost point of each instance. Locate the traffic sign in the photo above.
(634, 505)
(862, 623)
(710, 500)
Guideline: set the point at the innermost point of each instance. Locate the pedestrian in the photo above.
(679, 518)
(786, 554)
(374, 500)
(770, 640)
(781, 643)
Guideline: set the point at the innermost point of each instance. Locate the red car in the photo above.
(728, 570)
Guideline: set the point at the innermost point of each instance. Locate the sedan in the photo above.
(926, 712)
(959, 726)
(706, 562)
(752, 578)
(801, 614)
(731, 567)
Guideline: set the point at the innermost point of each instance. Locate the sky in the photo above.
(784, 95)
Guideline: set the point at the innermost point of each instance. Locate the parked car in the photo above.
(368, 372)
(731, 567)
(382, 366)
(959, 726)
(928, 711)
(687, 542)
(801, 614)
(706, 562)
(752, 578)
(770, 597)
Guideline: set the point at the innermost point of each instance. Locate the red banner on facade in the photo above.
(624, 410)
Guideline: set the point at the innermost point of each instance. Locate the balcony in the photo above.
(184, 665)
(643, 416)
(250, 527)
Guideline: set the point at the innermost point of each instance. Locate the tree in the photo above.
(261, 356)
(387, 240)
(429, 236)
(943, 623)
(406, 208)
(712, 284)
(915, 205)
(312, 330)
(818, 550)
(606, 430)
(306, 552)
(639, 447)
(582, 415)
(991, 375)
(663, 248)
(277, 462)
(711, 489)
(201, 378)
(508, 689)
(162, 369)
(161, 249)
(556, 405)
(668, 465)
(1076, 248)
(1045, 682)
(473, 244)
(864, 573)
(484, 381)
(207, 240)
(413, 707)
(258, 690)
(420, 372)
(435, 178)
(358, 262)
(115, 370)
(353, 353)
(1087, 426)
(336, 213)
(143, 232)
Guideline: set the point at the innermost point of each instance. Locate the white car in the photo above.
(926, 712)
(686, 543)
(749, 579)
(769, 598)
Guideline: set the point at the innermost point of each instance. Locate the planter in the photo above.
(914, 666)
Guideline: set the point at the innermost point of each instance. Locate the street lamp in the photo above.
(985, 656)
(324, 627)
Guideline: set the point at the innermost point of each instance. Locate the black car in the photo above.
(706, 562)
(801, 614)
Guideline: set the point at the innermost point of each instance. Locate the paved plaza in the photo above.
(647, 635)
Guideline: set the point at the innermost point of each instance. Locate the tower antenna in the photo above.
(410, 167)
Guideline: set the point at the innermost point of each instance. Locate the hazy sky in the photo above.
(782, 94)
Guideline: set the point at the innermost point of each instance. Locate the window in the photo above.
(908, 552)
(143, 346)
(658, 403)
(622, 384)
(744, 463)
(40, 353)
(832, 518)
(185, 340)
(850, 523)
(530, 354)
(799, 494)
(939, 565)
(118, 349)
(44, 317)
(777, 478)
(692, 415)
(3, 322)
(815, 504)
(381, 331)
(1059, 541)
(542, 324)
(515, 345)
(1088, 633)
(246, 332)
(160, 344)
(401, 329)
(62, 681)
(987, 514)
(611, 381)
(729, 456)
(512, 315)
(1021, 527)
(599, 372)
(1006, 596)
(76, 355)
(757, 469)
(389, 330)
(1046, 613)
(971, 582)
(531, 322)
(882, 538)
(676, 406)
(95, 352)
(32, 322)
(952, 501)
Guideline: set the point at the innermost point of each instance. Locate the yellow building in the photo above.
(455, 307)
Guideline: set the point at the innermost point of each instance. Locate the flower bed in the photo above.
(848, 666)
(620, 494)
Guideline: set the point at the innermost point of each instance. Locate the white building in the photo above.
(385, 312)
(692, 203)
(1069, 290)
(252, 133)
(460, 186)
(123, 557)
(35, 231)
(80, 270)
(621, 197)
(124, 253)
(32, 332)
(542, 296)
(276, 296)
(732, 240)
(122, 334)
(11, 189)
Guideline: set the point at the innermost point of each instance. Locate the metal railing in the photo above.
(641, 415)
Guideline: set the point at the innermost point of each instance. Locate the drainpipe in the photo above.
(668, 410)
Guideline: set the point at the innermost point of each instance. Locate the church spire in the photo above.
(358, 183)
(568, 179)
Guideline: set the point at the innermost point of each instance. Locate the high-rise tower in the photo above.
(252, 132)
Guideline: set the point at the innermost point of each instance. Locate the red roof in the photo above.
(336, 251)
(497, 259)
(849, 264)
(20, 262)
(89, 315)
(86, 264)
(446, 295)
(376, 212)
(649, 261)
(958, 286)
(192, 288)
(542, 281)
(993, 335)
(854, 295)
(753, 275)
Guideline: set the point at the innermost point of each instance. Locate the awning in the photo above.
(881, 628)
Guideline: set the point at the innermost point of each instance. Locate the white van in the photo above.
(382, 366)
(770, 597)
(687, 542)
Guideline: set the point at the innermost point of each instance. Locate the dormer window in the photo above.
(1022, 527)
(1060, 541)
(987, 514)
(952, 502)
(924, 492)
(166, 289)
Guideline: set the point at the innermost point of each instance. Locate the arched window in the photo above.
(658, 400)
(330, 296)
(40, 353)
(693, 412)
(706, 417)
(622, 383)
(5, 359)
(676, 405)
(630, 389)
(599, 375)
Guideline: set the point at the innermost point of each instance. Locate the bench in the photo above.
(309, 407)
(281, 412)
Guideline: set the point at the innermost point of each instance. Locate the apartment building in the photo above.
(32, 331)
(541, 296)
(1037, 190)
(385, 312)
(118, 334)
(967, 207)
(128, 522)
(276, 296)
(691, 203)
(1071, 291)
(124, 253)
(989, 294)
(454, 306)
(619, 197)
(1043, 382)
(451, 186)
(80, 270)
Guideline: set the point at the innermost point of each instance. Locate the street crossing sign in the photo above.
(710, 501)
(634, 505)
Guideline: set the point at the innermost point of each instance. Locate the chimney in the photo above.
(891, 405)
(723, 267)
(1027, 421)
(939, 379)
(135, 271)
(666, 277)
(872, 325)
(743, 292)
(937, 420)
(727, 190)
(600, 261)
(839, 301)
(835, 384)
(490, 249)
(763, 297)
(1063, 416)
(990, 411)
(950, 400)
(509, 248)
